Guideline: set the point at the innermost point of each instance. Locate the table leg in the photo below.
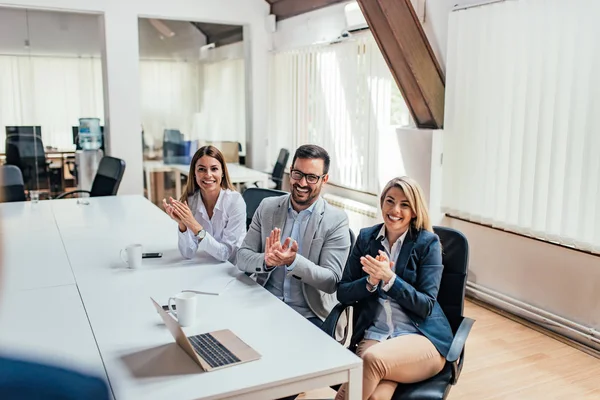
(148, 184)
(354, 391)
(177, 183)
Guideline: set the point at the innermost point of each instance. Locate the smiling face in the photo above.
(209, 173)
(396, 211)
(306, 180)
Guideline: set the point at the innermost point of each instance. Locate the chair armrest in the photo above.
(456, 354)
(332, 319)
(67, 194)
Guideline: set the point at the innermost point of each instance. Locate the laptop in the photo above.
(213, 350)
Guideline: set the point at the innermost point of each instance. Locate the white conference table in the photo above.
(49, 325)
(238, 174)
(138, 353)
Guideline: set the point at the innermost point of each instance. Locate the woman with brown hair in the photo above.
(392, 278)
(211, 215)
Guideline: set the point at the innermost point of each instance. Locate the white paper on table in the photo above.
(215, 285)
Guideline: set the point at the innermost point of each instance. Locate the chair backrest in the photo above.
(455, 257)
(108, 177)
(352, 241)
(13, 188)
(253, 197)
(26, 152)
(279, 168)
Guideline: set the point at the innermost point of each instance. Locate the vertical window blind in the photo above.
(339, 96)
(522, 99)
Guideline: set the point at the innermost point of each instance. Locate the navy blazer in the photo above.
(28, 381)
(418, 276)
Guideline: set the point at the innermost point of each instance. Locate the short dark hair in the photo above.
(312, 151)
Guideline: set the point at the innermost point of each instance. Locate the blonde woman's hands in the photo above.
(379, 268)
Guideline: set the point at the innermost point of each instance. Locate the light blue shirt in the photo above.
(281, 282)
(391, 321)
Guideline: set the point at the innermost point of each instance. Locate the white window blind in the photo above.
(522, 99)
(338, 96)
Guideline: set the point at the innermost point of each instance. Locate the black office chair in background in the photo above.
(451, 297)
(107, 179)
(253, 197)
(26, 152)
(278, 170)
(13, 188)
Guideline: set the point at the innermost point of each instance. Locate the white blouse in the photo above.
(225, 231)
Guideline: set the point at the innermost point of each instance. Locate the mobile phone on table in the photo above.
(151, 255)
(166, 308)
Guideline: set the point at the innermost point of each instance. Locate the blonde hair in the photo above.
(416, 200)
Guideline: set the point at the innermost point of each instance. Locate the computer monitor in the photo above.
(76, 137)
(24, 130)
(174, 147)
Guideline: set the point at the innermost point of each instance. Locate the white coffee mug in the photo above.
(132, 255)
(186, 308)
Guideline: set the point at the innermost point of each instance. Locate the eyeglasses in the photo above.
(310, 178)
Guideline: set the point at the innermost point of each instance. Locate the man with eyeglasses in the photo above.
(297, 244)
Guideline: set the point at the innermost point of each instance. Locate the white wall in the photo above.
(322, 25)
(52, 33)
(121, 58)
(49, 33)
(553, 278)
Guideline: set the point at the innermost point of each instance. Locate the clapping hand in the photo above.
(181, 213)
(379, 268)
(277, 254)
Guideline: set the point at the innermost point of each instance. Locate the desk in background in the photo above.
(238, 174)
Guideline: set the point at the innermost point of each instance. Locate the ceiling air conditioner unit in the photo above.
(355, 20)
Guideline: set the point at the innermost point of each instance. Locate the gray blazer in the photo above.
(325, 249)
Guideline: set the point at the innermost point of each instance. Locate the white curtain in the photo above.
(523, 93)
(223, 116)
(171, 93)
(52, 92)
(338, 96)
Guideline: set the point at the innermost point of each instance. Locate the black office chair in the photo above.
(278, 170)
(13, 187)
(26, 151)
(451, 297)
(107, 179)
(253, 197)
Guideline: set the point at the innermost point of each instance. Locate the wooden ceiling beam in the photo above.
(409, 56)
(290, 8)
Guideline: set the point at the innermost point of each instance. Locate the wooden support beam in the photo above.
(407, 51)
(289, 8)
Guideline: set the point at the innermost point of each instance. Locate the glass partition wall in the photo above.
(50, 79)
(192, 79)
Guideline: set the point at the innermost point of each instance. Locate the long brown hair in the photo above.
(416, 200)
(192, 186)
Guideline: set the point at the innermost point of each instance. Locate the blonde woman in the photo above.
(211, 215)
(392, 278)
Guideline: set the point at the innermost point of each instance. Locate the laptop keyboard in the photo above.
(212, 351)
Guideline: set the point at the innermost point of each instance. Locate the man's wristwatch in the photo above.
(201, 235)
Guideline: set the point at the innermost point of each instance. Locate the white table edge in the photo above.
(351, 374)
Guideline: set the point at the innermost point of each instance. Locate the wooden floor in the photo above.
(507, 360)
